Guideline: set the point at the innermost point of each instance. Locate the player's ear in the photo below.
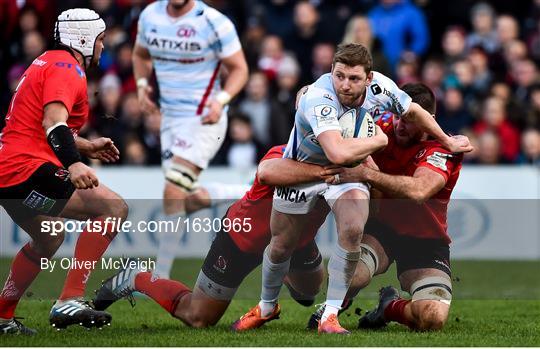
(369, 77)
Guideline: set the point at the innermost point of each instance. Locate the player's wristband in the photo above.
(63, 144)
(223, 97)
(142, 82)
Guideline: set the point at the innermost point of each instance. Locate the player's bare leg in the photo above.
(351, 211)
(104, 207)
(427, 310)
(286, 230)
(24, 269)
(180, 179)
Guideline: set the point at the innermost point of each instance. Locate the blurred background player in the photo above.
(416, 176)
(42, 176)
(235, 252)
(186, 42)
(350, 87)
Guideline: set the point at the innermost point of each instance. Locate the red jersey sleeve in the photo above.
(63, 83)
(274, 152)
(440, 160)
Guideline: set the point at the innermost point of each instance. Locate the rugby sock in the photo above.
(341, 267)
(272, 279)
(24, 269)
(89, 248)
(169, 239)
(395, 311)
(219, 191)
(167, 293)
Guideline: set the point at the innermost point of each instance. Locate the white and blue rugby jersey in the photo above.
(319, 110)
(186, 52)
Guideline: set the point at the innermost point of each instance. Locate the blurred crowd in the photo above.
(480, 58)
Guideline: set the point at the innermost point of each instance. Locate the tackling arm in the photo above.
(421, 117)
(284, 172)
(420, 187)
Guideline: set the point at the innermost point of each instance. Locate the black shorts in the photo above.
(226, 266)
(410, 252)
(45, 192)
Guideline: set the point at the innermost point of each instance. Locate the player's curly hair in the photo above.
(352, 54)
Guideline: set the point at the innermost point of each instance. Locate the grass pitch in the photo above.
(495, 304)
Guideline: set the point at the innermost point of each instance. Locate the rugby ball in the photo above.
(347, 121)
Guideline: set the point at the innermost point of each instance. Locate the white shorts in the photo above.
(301, 199)
(189, 139)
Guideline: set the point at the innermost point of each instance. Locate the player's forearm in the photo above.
(357, 149)
(236, 80)
(142, 66)
(399, 187)
(84, 145)
(283, 172)
(426, 122)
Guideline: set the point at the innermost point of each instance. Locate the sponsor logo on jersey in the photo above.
(375, 89)
(420, 153)
(326, 115)
(63, 174)
(291, 194)
(395, 101)
(186, 31)
(39, 62)
(438, 160)
(174, 45)
(39, 202)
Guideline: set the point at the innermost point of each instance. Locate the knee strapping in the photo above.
(182, 176)
(432, 288)
(369, 257)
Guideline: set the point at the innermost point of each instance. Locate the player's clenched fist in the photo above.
(82, 176)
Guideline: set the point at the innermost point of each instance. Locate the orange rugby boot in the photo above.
(331, 325)
(253, 319)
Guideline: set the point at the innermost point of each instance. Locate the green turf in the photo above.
(495, 304)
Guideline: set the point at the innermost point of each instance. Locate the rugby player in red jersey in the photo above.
(416, 177)
(42, 177)
(235, 252)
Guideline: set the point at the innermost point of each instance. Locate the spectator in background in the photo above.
(514, 51)
(484, 33)
(453, 45)
(452, 116)
(265, 114)
(533, 114)
(358, 31)
(401, 26)
(240, 150)
(33, 45)
(514, 110)
(407, 69)
(433, 76)
(252, 40)
(462, 78)
(323, 57)
(306, 34)
(489, 149)
(482, 76)
(525, 75)
(494, 120)
(530, 145)
(507, 29)
(287, 87)
(272, 56)
(134, 153)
